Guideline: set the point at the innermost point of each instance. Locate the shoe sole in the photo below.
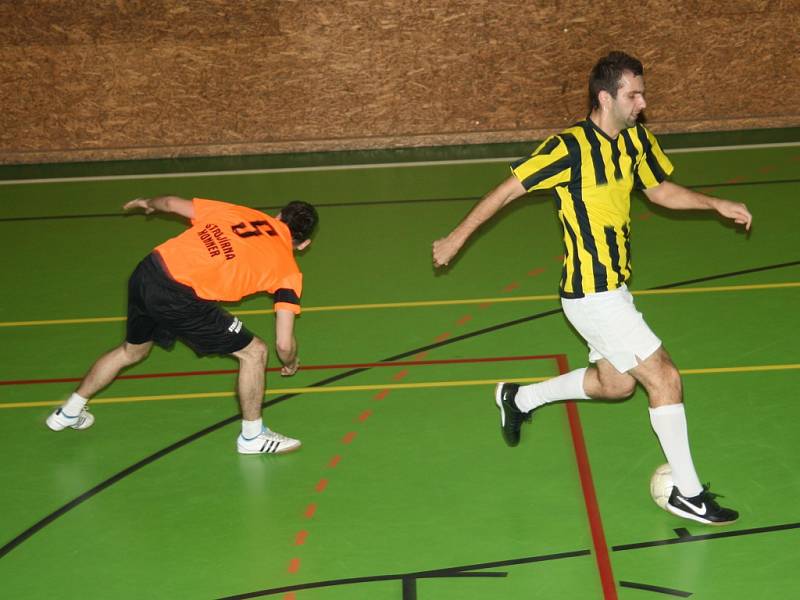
(54, 424)
(287, 451)
(693, 517)
(498, 399)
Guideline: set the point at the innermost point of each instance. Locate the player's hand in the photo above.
(291, 368)
(736, 211)
(138, 203)
(444, 250)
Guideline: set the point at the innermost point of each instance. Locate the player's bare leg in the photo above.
(107, 367)
(689, 499)
(255, 438)
(517, 403)
(73, 414)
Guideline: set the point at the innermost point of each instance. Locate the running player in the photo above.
(592, 168)
(227, 253)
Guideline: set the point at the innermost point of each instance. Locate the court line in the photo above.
(430, 303)
(461, 571)
(684, 537)
(537, 194)
(399, 363)
(280, 391)
(602, 558)
(655, 588)
(378, 386)
(361, 166)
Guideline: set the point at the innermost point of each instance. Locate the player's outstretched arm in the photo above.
(446, 248)
(167, 204)
(674, 196)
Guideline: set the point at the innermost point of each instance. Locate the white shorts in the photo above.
(613, 328)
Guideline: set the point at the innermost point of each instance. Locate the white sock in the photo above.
(74, 405)
(251, 429)
(563, 387)
(669, 423)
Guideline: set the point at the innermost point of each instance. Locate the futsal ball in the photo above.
(661, 485)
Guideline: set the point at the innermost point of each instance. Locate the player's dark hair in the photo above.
(301, 218)
(607, 73)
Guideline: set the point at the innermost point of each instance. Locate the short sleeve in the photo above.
(548, 166)
(654, 167)
(287, 296)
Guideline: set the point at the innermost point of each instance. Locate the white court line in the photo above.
(353, 167)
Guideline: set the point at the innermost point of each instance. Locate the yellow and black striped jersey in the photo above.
(592, 176)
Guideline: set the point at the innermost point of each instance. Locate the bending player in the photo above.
(227, 253)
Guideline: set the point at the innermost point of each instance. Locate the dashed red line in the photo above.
(441, 337)
(484, 305)
(511, 287)
(400, 375)
(294, 565)
(536, 271)
(300, 538)
(322, 484)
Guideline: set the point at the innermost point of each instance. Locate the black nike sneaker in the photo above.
(511, 417)
(701, 508)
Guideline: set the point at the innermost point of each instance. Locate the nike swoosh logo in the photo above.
(701, 510)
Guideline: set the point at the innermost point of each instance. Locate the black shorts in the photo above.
(160, 310)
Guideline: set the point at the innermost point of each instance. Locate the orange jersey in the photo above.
(232, 251)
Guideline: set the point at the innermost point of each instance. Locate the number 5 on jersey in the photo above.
(253, 228)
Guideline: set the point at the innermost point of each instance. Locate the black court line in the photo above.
(38, 526)
(537, 194)
(462, 571)
(654, 588)
(684, 537)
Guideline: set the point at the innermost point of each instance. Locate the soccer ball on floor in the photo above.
(661, 485)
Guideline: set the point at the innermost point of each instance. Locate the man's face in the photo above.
(625, 108)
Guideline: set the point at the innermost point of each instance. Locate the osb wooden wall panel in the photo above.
(158, 78)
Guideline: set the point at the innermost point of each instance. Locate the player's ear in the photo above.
(303, 245)
(604, 98)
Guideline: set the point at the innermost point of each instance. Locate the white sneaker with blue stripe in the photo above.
(59, 420)
(267, 442)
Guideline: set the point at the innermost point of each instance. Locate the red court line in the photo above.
(401, 363)
(589, 495)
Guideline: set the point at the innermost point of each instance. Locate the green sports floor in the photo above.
(403, 488)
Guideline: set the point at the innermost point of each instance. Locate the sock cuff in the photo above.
(667, 409)
(580, 392)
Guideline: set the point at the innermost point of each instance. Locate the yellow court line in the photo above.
(424, 303)
(280, 391)
(389, 386)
